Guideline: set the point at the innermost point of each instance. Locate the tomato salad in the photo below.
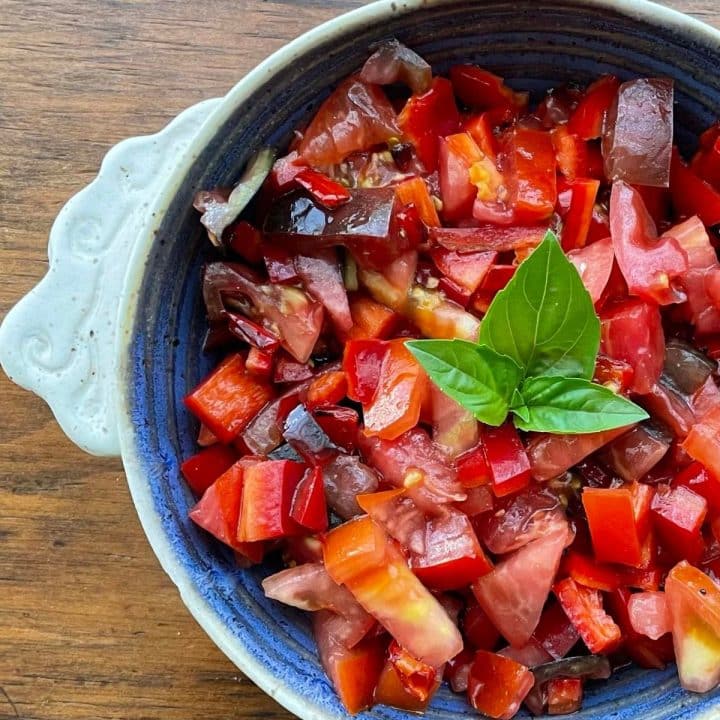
(468, 391)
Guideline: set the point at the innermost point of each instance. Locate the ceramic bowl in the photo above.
(121, 344)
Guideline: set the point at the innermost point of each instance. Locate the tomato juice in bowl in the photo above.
(273, 645)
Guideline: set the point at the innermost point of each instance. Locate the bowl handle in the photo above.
(59, 340)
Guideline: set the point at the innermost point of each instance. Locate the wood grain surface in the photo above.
(90, 627)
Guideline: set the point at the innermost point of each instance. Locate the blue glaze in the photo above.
(534, 44)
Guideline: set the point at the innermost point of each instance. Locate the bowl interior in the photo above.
(535, 45)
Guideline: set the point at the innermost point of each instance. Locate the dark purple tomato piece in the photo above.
(308, 438)
(637, 452)
(392, 63)
(637, 144)
(345, 478)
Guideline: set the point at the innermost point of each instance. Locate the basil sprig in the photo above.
(535, 357)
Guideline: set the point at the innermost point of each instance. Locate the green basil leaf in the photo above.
(477, 377)
(574, 406)
(517, 405)
(544, 318)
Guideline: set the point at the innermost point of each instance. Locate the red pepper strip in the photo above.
(259, 363)
(585, 571)
(497, 685)
(325, 190)
(269, 488)
(309, 508)
(415, 192)
(506, 456)
(417, 677)
(228, 399)
(481, 90)
(255, 335)
(204, 468)
(280, 265)
(588, 118)
(706, 163)
(473, 469)
(371, 320)
(696, 478)
(691, 195)
(585, 609)
(327, 389)
(362, 363)
(577, 219)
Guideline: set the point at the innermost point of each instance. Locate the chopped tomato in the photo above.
(371, 320)
(478, 629)
(649, 614)
(453, 558)
(576, 158)
(505, 454)
(401, 387)
(632, 332)
(564, 695)
(340, 424)
(354, 672)
(355, 117)
(455, 429)
(703, 442)
(392, 691)
(267, 497)
(427, 117)
(481, 128)
(228, 399)
(204, 468)
(585, 609)
(245, 240)
(696, 478)
(651, 266)
(555, 633)
(514, 592)
(481, 90)
(466, 269)
(418, 678)
(594, 264)
(694, 602)
(497, 685)
(678, 514)
(473, 469)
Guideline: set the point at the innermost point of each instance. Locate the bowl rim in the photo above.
(301, 706)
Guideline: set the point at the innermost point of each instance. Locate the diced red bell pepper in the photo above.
(453, 557)
(280, 265)
(354, 672)
(259, 363)
(706, 163)
(497, 685)
(632, 332)
(473, 469)
(642, 650)
(328, 192)
(467, 269)
(575, 157)
(415, 192)
(371, 320)
(589, 116)
(362, 363)
(678, 514)
(576, 221)
(427, 117)
(353, 548)
(696, 478)
(269, 488)
(340, 425)
(555, 633)
(585, 609)
(481, 128)
(245, 240)
(417, 677)
(204, 468)
(586, 571)
(481, 90)
(309, 508)
(457, 671)
(399, 394)
(329, 388)
(691, 195)
(639, 579)
(393, 692)
(506, 456)
(228, 399)
(532, 181)
(478, 629)
(564, 695)
(618, 524)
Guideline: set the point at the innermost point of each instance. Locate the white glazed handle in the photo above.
(59, 340)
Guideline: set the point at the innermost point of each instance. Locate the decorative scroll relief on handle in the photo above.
(59, 340)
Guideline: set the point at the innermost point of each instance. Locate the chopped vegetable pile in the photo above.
(468, 391)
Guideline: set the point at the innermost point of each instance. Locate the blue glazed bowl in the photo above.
(535, 44)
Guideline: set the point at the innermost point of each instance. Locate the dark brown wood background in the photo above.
(90, 627)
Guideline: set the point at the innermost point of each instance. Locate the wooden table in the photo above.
(90, 627)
